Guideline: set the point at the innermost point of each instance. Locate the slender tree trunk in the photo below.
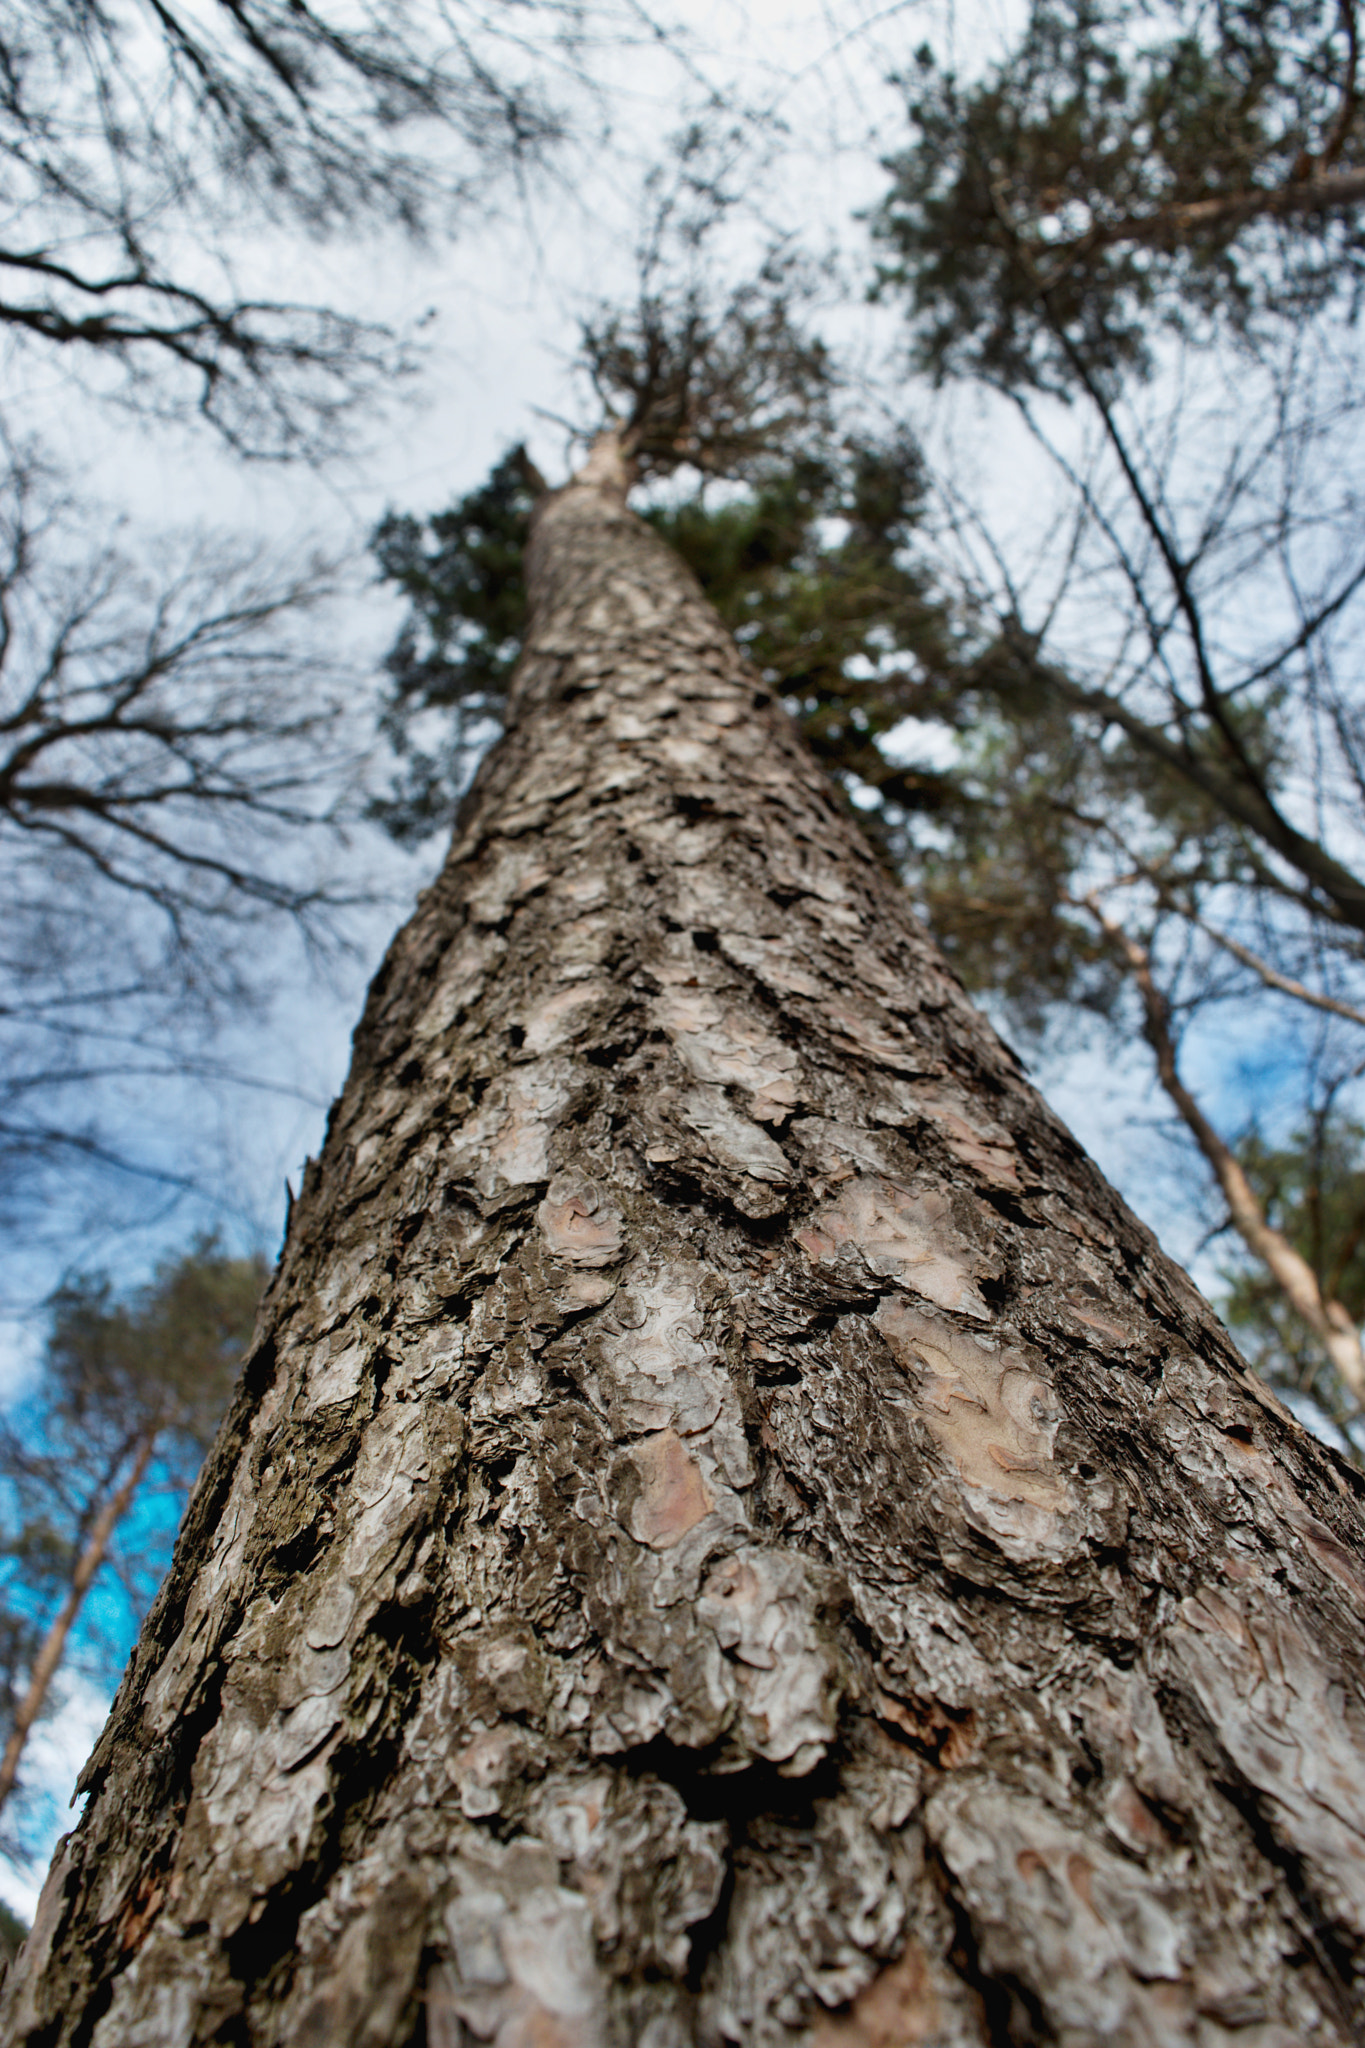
(1329, 1320)
(730, 1533)
(53, 1646)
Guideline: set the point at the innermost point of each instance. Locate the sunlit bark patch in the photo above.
(905, 1236)
(993, 1418)
(672, 1497)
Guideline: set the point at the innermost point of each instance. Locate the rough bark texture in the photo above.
(731, 1532)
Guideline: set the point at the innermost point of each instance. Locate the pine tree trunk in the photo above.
(731, 1532)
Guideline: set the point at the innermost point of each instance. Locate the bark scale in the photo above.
(730, 1532)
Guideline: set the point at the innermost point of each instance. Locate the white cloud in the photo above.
(53, 1758)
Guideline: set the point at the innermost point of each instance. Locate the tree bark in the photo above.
(730, 1532)
(53, 1646)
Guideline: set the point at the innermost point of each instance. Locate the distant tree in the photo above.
(1312, 1187)
(1049, 157)
(12, 1933)
(462, 571)
(97, 1461)
(1125, 168)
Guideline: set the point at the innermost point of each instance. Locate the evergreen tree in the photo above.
(1139, 229)
(1122, 169)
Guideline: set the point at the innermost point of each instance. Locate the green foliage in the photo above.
(815, 570)
(461, 573)
(166, 1356)
(811, 571)
(996, 886)
(808, 566)
(1039, 209)
(1313, 1189)
(13, 1933)
(20, 1635)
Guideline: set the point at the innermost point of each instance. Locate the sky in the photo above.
(498, 307)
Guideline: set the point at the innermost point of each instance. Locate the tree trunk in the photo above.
(53, 1646)
(730, 1532)
(1328, 1320)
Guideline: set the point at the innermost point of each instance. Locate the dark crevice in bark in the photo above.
(259, 1953)
(167, 1771)
(100, 1998)
(1011, 2011)
(1336, 1965)
(707, 1937)
(1015, 1210)
(613, 1053)
(742, 1801)
(712, 1792)
(297, 1551)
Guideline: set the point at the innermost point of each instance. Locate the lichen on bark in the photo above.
(730, 1531)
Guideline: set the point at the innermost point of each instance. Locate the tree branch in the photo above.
(1168, 227)
(1292, 1273)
